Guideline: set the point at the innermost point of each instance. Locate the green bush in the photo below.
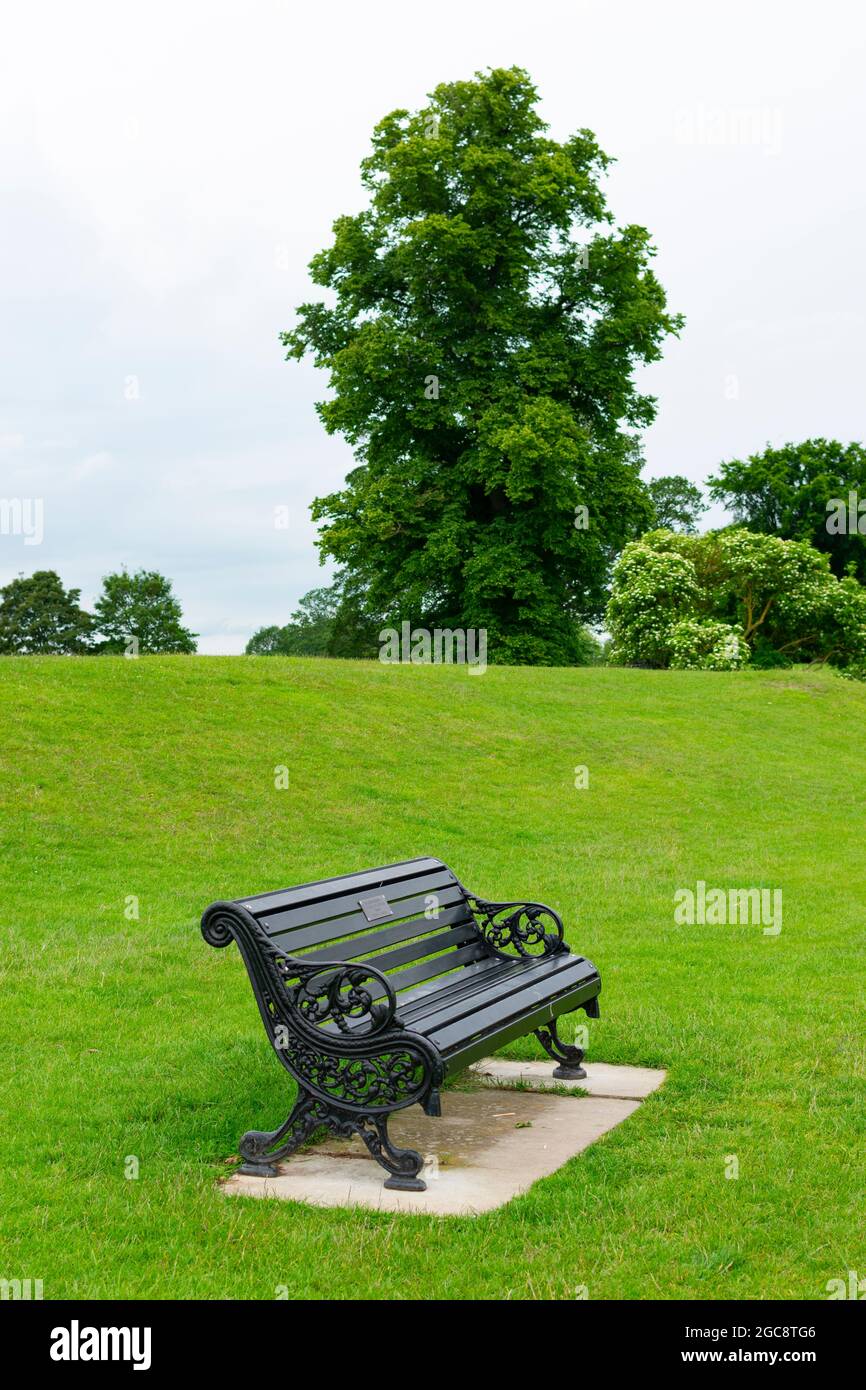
(703, 644)
(717, 601)
(652, 590)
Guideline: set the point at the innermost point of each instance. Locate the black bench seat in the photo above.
(375, 986)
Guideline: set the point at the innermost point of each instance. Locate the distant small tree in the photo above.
(37, 615)
(356, 623)
(327, 622)
(678, 504)
(268, 641)
(307, 633)
(311, 626)
(143, 606)
(652, 590)
(589, 649)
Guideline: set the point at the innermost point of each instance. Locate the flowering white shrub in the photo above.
(651, 590)
(718, 601)
(702, 644)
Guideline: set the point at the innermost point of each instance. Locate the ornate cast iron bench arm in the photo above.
(523, 931)
(336, 991)
(350, 1077)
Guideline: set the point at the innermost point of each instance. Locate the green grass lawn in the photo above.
(155, 778)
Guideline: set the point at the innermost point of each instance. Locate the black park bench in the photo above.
(373, 987)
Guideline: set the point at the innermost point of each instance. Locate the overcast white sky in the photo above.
(167, 171)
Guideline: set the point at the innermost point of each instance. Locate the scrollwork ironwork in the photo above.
(261, 1149)
(569, 1057)
(341, 995)
(522, 932)
(343, 1047)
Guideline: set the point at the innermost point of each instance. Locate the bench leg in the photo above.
(568, 1057)
(261, 1149)
(404, 1165)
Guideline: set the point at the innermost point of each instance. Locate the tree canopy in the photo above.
(486, 323)
(37, 615)
(141, 606)
(789, 492)
(308, 632)
(677, 503)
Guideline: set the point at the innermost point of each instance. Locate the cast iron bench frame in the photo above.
(485, 973)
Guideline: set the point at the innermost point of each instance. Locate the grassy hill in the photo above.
(154, 780)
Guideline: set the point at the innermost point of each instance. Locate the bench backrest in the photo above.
(410, 920)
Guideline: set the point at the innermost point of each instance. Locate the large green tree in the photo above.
(37, 615)
(143, 606)
(791, 492)
(486, 322)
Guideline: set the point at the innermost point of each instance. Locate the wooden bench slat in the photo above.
(471, 1049)
(542, 976)
(427, 970)
(343, 886)
(365, 943)
(438, 966)
(474, 970)
(425, 946)
(466, 987)
(440, 1002)
(440, 952)
(312, 930)
(501, 1011)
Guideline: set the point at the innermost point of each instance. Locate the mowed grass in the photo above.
(155, 779)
